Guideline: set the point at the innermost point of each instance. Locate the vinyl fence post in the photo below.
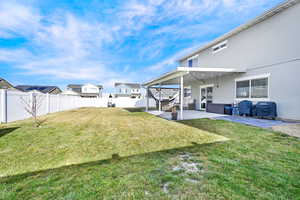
(3, 93)
(47, 103)
(58, 102)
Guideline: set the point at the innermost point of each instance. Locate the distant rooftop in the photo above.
(80, 85)
(132, 85)
(44, 88)
(4, 84)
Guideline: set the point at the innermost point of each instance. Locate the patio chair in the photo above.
(245, 108)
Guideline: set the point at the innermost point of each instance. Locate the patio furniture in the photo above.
(245, 108)
(216, 108)
(228, 110)
(174, 113)
(235, 111)
(266, 109)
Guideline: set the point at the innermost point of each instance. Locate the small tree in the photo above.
(32, 106)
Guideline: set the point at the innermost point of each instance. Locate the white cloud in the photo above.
(171, 61)
(18, 55)
(62, 46)
(17, 20)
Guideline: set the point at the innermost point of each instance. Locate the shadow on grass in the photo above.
(5, 131)
(135, 109)
(115, 159)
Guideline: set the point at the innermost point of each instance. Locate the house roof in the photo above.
(132, 85)
(43, 89)
(80, 85)
(89, 94)
(70, 92)
(268, 14)
(6, 82)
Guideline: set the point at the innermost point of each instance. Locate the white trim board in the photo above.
(267, 75)
(205, 86)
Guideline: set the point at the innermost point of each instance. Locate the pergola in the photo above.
(186, 75)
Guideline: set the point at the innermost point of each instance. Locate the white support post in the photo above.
(3, 95)
(181, 97)
(159, 103)
(48, 103)
(147, 99)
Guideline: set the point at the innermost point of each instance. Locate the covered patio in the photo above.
(184, 76)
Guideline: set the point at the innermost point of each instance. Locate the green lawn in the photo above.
(70, 157)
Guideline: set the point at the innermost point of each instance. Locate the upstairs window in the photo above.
(190, 63)
(219, 47)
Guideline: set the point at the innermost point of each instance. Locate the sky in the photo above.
(59, 42)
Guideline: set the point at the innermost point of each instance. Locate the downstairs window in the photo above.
(253, 88)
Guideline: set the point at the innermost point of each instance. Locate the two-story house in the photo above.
(128, 90)
(257, 61)
(86, 90)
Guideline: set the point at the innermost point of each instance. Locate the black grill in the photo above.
(266, 109)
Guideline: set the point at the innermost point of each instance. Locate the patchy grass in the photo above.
(254, 164)
(91, 134)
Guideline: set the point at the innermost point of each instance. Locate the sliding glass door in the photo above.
(206, 96)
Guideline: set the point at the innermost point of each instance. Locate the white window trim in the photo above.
(249, 78)
(220, 49)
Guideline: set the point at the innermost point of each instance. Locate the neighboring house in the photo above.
(128, 90)
(43, 89)
(70, 93)
(4, 84)
(258, 61)
(86, 90)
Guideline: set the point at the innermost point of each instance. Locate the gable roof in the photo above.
(43, 89)
(77, 86)
(266, 15)
(4, 82)
(131, 85)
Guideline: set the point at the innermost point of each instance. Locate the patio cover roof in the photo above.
(190, 74)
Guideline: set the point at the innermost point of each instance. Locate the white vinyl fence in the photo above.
(13, 103)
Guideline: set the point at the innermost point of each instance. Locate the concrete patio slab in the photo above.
(187, 114)
(263, 123)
